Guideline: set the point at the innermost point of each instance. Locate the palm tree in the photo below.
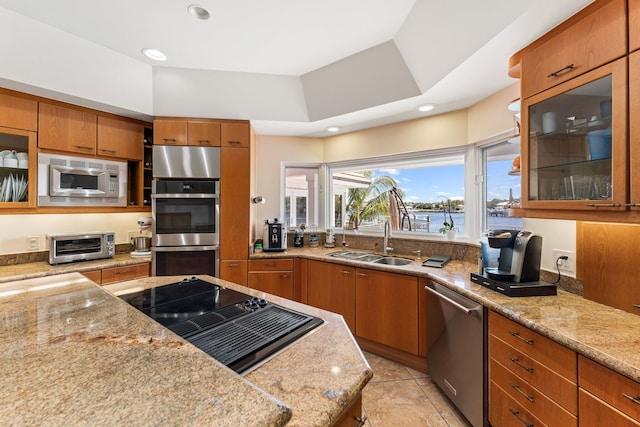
(372, 202)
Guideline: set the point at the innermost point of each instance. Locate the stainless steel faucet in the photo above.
(344, 237)
(387, 233)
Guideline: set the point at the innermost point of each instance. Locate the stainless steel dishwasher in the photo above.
(456, 350)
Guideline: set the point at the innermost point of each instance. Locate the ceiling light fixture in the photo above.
(199, 12)
(333, 129)
(514, 105)
(154, 54)
(426, 107)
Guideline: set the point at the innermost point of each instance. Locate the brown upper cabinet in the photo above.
(186, 132)
(634, 129)
(634, 25)
(203, 133)
(170, 132)
(120, 138)
(597, 36)
(64, 129)
(235, 134)
(18, 113)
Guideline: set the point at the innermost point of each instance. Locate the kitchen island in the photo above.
(74, 353)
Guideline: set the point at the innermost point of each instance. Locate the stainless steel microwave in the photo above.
(81, 246)
(80, 181)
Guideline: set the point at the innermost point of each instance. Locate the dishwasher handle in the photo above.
(456, 304)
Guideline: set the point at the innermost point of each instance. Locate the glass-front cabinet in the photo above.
(575, 143)
(17, 168)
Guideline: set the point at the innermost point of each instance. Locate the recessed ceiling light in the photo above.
(333, 129)
(198, 11)
(154, 54)
(426, 107)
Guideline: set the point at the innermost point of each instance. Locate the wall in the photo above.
(124, 84)
(16, 228)
(272, 153)
(439, 131)
(490, 116)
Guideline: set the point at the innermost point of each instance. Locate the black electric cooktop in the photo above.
(236, 329)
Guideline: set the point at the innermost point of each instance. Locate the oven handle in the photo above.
(456, 304)
(184, 248)
(185, 196)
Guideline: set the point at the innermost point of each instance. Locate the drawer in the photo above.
(127, 272)
(555, 356)
(531, 398)
(506, 412)
(555, 386)
(615, 389)
(594, 411)
(597, 38)
(280, 264)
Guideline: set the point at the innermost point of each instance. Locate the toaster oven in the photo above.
(65, 248)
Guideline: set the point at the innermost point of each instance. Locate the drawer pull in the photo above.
(520, 337)
(125, 271)
(632, 205)
(517, 415)
(603, 205)
(233, 142)
(566, 67)
(517, 362)
(345, 272)
(517, 388)
(635, 400)
(284, 276)
(363, 275)
(636, 305)
(233, 265)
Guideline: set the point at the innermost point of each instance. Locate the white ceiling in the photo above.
(350, 63)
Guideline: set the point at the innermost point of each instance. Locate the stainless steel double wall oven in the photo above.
(185, 204)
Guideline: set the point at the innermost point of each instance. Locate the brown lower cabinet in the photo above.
(273, 276)
(106, 276)
(332, 287)
(234, 271)
(352, 416)
(606, 397)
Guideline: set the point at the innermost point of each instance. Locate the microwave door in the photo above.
(77, 182)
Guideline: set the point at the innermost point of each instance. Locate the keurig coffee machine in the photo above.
(518, 268)
(274, 237)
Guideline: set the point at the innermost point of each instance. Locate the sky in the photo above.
(431, 184)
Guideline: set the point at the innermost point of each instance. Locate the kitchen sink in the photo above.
(392, 260)
(369, 257)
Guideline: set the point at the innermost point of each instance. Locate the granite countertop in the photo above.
(31, 270)
(73, 353)
(599, 332)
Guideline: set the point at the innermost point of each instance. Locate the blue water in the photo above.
(432, 222)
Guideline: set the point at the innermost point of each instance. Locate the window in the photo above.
(409, 193)
(501, 163)
(301, 196)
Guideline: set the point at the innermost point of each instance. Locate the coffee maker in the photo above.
(517, 272)
(274, 236)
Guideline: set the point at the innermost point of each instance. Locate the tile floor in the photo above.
(401, 396)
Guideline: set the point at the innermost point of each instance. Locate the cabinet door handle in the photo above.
(517, 362)
(125, 271)
(169, 139)
(632, 205)
(636, 305)
(566, 67)
(635, 400)
(233, 265)
(520, 337)
(345, 272)
(517, 415)
(284, 276)
(603, 205)
(233, 142)
(363, 275)
(108, 151)
(203, 140)
(83, 147)
(517, 388)
(361, 420)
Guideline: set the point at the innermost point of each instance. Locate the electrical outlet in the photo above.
(33, 243)
(565, 265)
